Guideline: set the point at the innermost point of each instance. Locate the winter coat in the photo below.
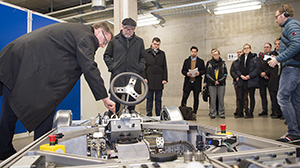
(40, 68)
(273, 75)
(233, 71)
(198, 79)
(263, 68)
(156, 69)
(251, 69)
(211, 67)
(125, 55)
(291, 37)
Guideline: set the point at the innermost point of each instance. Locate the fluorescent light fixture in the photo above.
(234, 7)
(147, 20)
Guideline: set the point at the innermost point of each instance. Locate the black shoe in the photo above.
(223, 117)
(212, 117)
(263, 114)
(277, 116)
(282, 117)
(238, 116)
(289, 138)
(249, 116)
(273, 114)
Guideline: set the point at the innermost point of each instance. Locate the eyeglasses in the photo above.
(105, 39)
(278, 15)
(127, 29)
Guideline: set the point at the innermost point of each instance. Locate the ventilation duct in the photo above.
(98, 4)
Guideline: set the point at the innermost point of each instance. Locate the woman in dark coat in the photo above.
(248, 72)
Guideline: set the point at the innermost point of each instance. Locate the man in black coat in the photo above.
(264, 78)
(193, 68)
(125, 53)
(40, 68)
(248, 73)
(235, 77)
(156, 75)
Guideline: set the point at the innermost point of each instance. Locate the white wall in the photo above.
(225, 32)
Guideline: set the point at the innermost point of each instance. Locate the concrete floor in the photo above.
(259, 126)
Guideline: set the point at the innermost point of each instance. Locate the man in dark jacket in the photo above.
(264, 78)
(274, 76)
(289, 84)
(125, 53)
(156, 75)
(248, 72)
(233, 73)
(193, 68)
(39, 69)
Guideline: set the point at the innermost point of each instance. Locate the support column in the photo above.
(124, 9)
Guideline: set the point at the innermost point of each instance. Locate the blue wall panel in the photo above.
(13, 25)
(72, 101)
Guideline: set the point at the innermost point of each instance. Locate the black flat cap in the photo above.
(129, 22)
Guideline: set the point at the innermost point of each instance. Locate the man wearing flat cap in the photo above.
(125, 53)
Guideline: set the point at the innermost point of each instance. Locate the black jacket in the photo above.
(156, 69)
(274, 75)
(263, 68)
(233, 71)
(211, 67)
(40, 68)
(125, 55)
(185, 68)
(251, 69)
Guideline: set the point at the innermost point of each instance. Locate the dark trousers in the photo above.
(251, 92)
(8, 121)
(186, 94)
(149, 104)
(263, 96)
(238, 102)
(275, 106)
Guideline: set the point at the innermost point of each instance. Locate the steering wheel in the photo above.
(131, 80)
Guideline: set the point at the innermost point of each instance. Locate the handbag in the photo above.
(205, 93)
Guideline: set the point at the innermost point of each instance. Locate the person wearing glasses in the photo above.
(193, 69)
(125, 53)
(39, 69)
(216, 74)
(233, 73)
(289, 85)
(248, 73)
(264, 79)
(156, 75)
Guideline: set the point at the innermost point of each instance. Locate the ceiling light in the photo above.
(147, 20)
(238, 6)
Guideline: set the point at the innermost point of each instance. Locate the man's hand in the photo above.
(110, 105)
(164, 82)
(188, 74)
(263, 74)
(197, 73)
(273, 62)
(146, 80)
(217, 83)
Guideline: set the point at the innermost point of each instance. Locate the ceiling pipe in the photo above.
(86, 14)
(69, 9)
(185, 5)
